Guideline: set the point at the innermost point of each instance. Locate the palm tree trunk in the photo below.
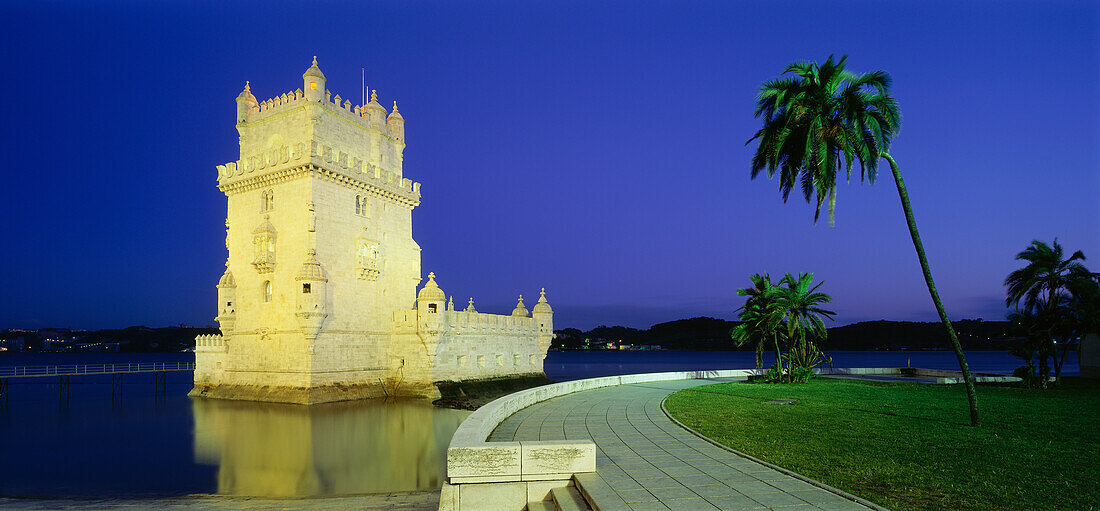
(832, 207)
(778, 356)
(971, 394)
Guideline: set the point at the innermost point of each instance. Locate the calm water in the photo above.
(146, 445)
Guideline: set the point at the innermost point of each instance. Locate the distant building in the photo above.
(318, 301)
(15, 343)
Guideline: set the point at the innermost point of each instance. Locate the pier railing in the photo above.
(68, 370)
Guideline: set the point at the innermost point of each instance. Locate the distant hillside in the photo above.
(704, 333)
(135, 339)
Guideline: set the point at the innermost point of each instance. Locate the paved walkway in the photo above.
(652, 463)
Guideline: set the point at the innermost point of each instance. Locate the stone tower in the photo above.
(319, 234)
(314, 304)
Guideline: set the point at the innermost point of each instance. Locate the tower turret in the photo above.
(245, 102)
(396, 123)
(313, 81)
(544, 316)
(227, 295)
(520, 310)
(430, 299)
(376, 113)
(311, 281)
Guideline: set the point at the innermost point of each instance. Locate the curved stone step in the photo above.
(542, 505)
(567, 498)
(599, 495)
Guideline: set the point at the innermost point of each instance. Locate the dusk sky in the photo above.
(594, 148)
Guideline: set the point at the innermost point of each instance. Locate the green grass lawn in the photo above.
(909, 445)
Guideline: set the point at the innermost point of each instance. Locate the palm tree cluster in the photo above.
(787, 315)
(1057, 303)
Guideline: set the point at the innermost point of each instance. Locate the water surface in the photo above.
(147, 443)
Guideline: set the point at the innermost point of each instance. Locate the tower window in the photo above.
(431, 308)
(267, 201)
(263, 244)
(306, 288)
(267, 291)
(362, 205)
(312, 85)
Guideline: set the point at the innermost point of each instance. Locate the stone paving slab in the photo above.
(651, 463)
(419, 501)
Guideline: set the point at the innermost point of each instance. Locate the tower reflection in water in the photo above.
(370, 446)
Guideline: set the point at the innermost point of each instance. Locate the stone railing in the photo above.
(476, 321)
(479, 470)
(470, 322)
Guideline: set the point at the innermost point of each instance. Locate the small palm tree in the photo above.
(1058, 290)
(802, 305)
(760, 318)
(1046, 272)
(820, 122)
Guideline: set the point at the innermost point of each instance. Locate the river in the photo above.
(158, 444)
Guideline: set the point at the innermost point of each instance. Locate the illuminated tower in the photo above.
(319, 234)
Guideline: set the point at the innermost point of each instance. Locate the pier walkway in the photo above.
(64, 374)
(645, 461)
(89, 369)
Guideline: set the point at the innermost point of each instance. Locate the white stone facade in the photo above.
(318, 301)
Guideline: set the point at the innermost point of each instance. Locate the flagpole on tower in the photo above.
(364, 101)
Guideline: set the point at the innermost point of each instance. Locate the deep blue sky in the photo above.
(596, 149)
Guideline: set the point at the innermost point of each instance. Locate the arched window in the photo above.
(267, 200)
(362, 205)
(263, 245)
(267, 291)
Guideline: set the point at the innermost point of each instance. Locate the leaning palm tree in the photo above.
(802, 305)
(818, 123)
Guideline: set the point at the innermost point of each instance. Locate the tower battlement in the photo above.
(233, 176)
(360, 114)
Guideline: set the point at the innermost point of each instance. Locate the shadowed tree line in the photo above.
(704, 333)
(1057, 303)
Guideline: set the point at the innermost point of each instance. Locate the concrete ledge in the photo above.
(939, 376)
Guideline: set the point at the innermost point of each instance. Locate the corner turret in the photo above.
(313, 81)
(227, 295)
(396, 124)
(544, 316)
(520, 310)
(430, 299)
(312, 310)
(245, 102)
(375, 112)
